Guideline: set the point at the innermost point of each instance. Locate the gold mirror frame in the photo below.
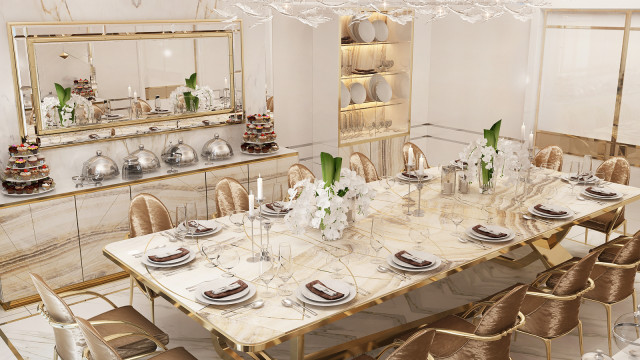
(31, 40)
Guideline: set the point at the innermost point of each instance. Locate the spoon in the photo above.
(289, 304)
(528, 217)
(464, 241)
(253, 305)
(383, 269)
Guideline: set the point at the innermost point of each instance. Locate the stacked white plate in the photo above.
(510, 235)
(111, 117)
(345, 95)
(160, 111)
(554, 208)
(616, 195)
(403, 177)
(162, 252)
(266, 211)
(243, 295)
(211, 224)
(394, 262)
(358, 93)
(381, 30)
(305, 295)
(378, 89)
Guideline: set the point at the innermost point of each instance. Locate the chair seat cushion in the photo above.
(443, 344)
(600, 223)
(363, 357)
(174, 354)
(130, 345)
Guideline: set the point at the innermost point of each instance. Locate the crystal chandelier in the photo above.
(316, 12)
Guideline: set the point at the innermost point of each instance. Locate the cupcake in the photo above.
(273, 135)
(48, 181)
(11, 189)
(265, 149)
(251, 126)
(245, 136)
(33, 149)
(35, 173)
(15, 174)
(259, 128)
(252, 137)
(40, 158)
(13, 149)
(7, 173)
(32, 160)
(22, 149)
(19, 189)
(243, 147)
(262, 137)
(45, 186)
(251, 118)
(259, 117)
(29, 189)
(250, 150)
(20, 163)
(25, 175)
(267, 126)
(275, 147)
(12, 161)
(44, 170)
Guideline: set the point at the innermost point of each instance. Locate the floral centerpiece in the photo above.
(66, 103)
(193, 95)
(491, 157)
(325, 204)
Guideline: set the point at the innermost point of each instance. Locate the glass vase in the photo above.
(487, 184)
(191, 102)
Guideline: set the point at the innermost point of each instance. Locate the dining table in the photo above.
(354, 261)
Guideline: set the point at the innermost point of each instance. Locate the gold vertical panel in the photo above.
(623, 65)
(575, 145)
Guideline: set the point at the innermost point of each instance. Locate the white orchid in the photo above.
(48, 103)
(510, 158)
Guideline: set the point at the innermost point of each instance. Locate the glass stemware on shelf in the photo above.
(228, 259)
(180, 230)
(267, 274)
(285, 268)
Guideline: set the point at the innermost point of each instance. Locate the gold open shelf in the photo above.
(377, 43)
(372, 104)
(360, 76)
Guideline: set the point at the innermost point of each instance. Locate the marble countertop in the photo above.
(66, 187)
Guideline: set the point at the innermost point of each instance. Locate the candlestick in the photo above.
(259, 186)
(411, 159)
(251, 200)
(522, 132)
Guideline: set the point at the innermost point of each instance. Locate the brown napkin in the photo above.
(278, 209)
(479, 230)
(409, 175)
(546, 210)
(224, 294)
(199, 228)
(364, 71)
(411, 262)
(599, 192)
(183, 252)
(323, 295)
(581, 177)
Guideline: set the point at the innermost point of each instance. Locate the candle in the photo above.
(226, 82)
(411, 160)
(259, 185)
(129, 88)
(522, 132)
(531, 139)
(421, 162)
(135, 96)
(251, 199)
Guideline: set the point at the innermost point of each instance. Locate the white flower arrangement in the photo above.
(49, 103)
(205, 94)
(507, 160)
(325, 208)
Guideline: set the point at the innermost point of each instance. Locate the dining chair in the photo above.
(615, 170)
(613, 275)
(416, 152)
(97, 112)
(459, 339)
(361, 164)
(297, 173)
(69, 340)
(230, 196)
(98, 348)
(147, 215)
(416, 347)
(552, 305)
(144, 106)
(550, 155)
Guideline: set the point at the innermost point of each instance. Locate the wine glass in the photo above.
(520, 192)
(285, 268)
(574, 174)
(488, 213)
(340, 260)
(277, 195)
(266, 275)
(419, 236)
(192, 218)
(180, 231)
(387, 182)
(343, 126)
(376, 239)
(456, 219)
(550, 193)
(228, 259)
(587, 165)
(237, 219)
(174, 159)
(212, 253)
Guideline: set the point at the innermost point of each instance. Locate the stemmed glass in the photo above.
(212, 252)
(264, 247)
(456, 219)
(550, 193)
(486, 210)
(174, 159)
(192, 218)
(237, 219)
(228, 259)
(420, 175)
(277, 195)
(521, 192)
(343, 127)
(376, 239)
(587, 165)
(266, 275)
(180, 230)
(573, 180)
(340, 260)
(419, 237)
(387, 182)
(285, 269)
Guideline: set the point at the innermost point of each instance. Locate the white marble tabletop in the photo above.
(261, 328)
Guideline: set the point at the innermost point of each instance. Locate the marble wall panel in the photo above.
(386, 155)
(40, 238)
(240, 173)
(177, 191)
(102, 219)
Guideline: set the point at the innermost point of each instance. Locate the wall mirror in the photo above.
(83, 82)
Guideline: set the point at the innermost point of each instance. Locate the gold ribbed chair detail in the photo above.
(615, 170)
(230, 196)
(147, 215)
(297, 173)
(99, 348)
(416, 153)
(361, 164)
(550, 156)
(415, 348)
(68, 337)
(459, 339)
(552, 308)
(613, 275)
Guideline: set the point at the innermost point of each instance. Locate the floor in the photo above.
(27, 335)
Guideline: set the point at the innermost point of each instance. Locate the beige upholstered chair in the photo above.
(415, 348)
(298, 172)
(230, 195)
(97, 112)
(69, 339)
(615, 170)
(98, 348)
(550, 156)
(144, 106)
(416, 153)
(361, 164)
(147, 215)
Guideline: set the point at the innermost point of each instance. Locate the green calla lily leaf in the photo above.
(191, 81)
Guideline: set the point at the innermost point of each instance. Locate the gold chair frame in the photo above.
(611, 227)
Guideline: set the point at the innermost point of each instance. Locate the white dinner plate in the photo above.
(214, 225)
(365, 30)
(383, 91)
(358, 93)
(190, 258)
(336, 285)
(204, 300)
(351, 28)
(344, 300)
(569, 213)
(616, 197)
(218, 283)
(345, 95)
(427, 177)
(381, 30)
(269, 212)
(161, 251)
(510, 234)
(591, 180)
(399, 265)
(370, 85)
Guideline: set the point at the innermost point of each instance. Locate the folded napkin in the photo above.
(233, 288)
(488, 232)
(548, 210)
(169, 255)
(409, 175)
(410, 259)
(276, 208)
(320, 289)
(199, 227)
(364, 71)
(599, 192)
(582, 177)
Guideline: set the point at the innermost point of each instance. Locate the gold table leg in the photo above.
(296, 348)
(550, 250)
(224, 350)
